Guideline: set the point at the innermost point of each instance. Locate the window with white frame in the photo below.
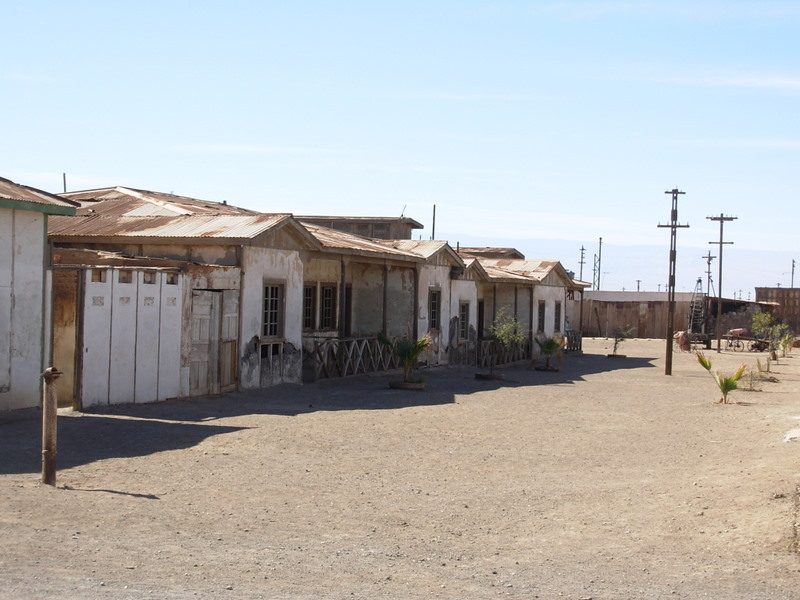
(327, 318)
(463, 321)
(309, 306)
(557, 319)
(540, 321)
(435, 310)
(273, 311)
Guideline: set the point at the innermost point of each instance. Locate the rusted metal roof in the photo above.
(534, 270)
(504, 275)
(129, 202)
(239, 227)
(348, 243)
(23, 193)
(490, 252)
(425, 248)
(321, 220)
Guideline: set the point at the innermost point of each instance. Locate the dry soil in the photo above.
(608, 479)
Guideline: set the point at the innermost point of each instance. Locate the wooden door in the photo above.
(204, 358)
(65, 334)
(229, 335)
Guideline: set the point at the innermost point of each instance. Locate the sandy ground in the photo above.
(605, 480)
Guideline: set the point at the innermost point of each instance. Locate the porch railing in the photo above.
(492, 354)
(574, 341)
(352, 356)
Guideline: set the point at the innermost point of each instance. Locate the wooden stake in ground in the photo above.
(49, 419)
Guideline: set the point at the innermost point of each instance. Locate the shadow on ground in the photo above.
(86, 438)
(129, 430)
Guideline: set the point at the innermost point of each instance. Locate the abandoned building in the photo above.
(158, 296)
(24, 290)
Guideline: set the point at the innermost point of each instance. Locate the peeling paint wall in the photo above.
(550, 295)
(400, 301)
(22, 275)
(435, 277)
(367, 308)
(261, 266)
(463, 352)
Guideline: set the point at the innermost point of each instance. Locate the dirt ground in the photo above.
(607, 479)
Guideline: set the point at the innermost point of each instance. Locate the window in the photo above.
(328, 306)
(540, 322)
(463, 321)
(273, 300)
(149, 277)
(558, 317)
(309, 306)
(98, 276)
(435, 309)
(125, 276)
(172, 279)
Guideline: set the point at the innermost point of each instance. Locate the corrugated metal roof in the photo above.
(490, 252)
(426, 248)
(122, 201)
(350, 243)
(319, 219)
(24, 193)
(191, 226)
(535, 269)
(499, 274)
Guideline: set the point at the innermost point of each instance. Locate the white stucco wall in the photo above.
(22, 272)
(550, 294)
(435, 277)
(261, 266)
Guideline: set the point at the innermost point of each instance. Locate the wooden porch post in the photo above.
(530, 322)
(416, 302)
(385, 324)
(49, 425)
(343, 300)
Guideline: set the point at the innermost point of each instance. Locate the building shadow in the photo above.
(131, 430)
(85, 438)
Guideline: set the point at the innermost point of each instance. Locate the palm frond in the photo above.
(704, 362)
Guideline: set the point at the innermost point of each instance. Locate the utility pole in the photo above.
(708, 258)
(597, 263)
(721, 218)
(583, 262)
(638, 281)
(673, 226)
(792, 272)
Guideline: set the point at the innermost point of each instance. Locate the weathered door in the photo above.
(204, 358)
(215, 335)
(229, 336)
(65, 334)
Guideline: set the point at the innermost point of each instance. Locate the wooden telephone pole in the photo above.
(718, 332)
(673, 225)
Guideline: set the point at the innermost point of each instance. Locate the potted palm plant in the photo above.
(407, 350)
(550, 347)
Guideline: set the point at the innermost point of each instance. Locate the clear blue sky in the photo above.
(543, 125)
